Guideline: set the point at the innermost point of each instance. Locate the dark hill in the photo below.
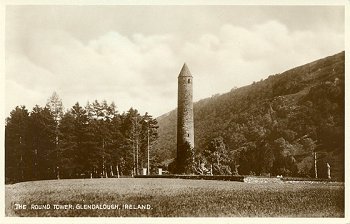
(274, 125)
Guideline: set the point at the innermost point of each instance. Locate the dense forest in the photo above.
(289, 124)
(83, 142)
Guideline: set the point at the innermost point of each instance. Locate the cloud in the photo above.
(141, 70)
(26, 83)
(237, 56)
(131, 71)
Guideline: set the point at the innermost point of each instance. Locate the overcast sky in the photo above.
(132, 55)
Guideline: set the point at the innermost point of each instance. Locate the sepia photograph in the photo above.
(174, 110)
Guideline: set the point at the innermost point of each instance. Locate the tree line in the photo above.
(82, 142)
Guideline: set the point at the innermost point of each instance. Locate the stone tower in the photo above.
(185, 127)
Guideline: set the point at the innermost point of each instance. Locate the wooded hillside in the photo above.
(273, 126)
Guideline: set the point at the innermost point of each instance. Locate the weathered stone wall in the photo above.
(261, 180)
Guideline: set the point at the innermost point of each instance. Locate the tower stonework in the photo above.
(185, 125)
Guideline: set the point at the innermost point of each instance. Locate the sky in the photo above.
(132, 55)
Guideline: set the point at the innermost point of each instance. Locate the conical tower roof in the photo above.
(185, 71)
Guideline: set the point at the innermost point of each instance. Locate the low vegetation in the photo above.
(176, 197)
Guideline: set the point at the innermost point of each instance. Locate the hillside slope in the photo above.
(274, 125)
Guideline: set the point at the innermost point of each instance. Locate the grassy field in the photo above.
(175, 197)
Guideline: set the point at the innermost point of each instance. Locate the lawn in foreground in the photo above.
(175, 197)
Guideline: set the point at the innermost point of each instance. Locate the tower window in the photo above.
(188, 135)
(188, 80)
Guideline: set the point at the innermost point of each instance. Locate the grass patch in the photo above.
(177, 197)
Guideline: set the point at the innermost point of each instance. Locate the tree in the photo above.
(100, 135)
(16, 145)
(69, 160)
(42, 137)
(55, 105)
(217, 155)
(149, 136)
(185, 163)
(121, 158)
(83, 140)
(131, 128)
(101, 117)
(285, 163)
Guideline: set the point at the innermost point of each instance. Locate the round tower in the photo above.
(185, 127)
